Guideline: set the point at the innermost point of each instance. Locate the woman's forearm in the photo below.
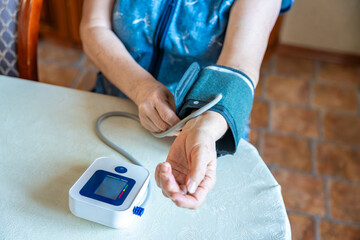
(247, 34)
(114, 61)
(103, 47)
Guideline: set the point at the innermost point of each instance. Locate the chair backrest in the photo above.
(8, 35)
(19, 28)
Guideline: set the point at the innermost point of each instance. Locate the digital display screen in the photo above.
(111, 187)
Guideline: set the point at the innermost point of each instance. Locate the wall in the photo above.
(332, 25)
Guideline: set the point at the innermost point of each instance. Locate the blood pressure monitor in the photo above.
(109, 191)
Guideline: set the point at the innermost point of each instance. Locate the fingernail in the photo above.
(164, 168)
(192, 186)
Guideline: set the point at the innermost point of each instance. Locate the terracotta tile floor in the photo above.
(305, 124)
(65, 66)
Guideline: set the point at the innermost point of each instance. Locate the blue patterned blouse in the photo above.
(166, 36)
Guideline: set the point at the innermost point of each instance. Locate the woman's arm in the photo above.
(247, 34)
(104, 48)
(189, 172)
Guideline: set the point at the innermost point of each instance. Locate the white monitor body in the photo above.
(108, 191)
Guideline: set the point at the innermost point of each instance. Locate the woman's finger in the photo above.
(193, 201)
(156, 120)
(201, 155)
(167, 180)
(157, 172)
(147, 123)
(171, 101)
(166, 113)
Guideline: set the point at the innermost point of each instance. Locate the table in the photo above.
(47, 141)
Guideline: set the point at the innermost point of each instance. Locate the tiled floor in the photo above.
(65, 66)
(305, 124)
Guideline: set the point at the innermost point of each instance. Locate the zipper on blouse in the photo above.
(160, 35)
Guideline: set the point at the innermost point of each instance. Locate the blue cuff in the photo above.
(198, 87)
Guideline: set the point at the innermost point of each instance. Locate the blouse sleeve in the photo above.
(286, 6)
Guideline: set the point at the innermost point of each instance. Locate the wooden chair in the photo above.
(19, 28)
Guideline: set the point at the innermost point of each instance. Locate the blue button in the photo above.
(121, 169)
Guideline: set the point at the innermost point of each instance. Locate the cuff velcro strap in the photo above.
(198, 87)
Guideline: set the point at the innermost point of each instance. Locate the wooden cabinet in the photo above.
(60, 21)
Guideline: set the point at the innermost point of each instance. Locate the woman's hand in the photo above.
(189, 172)
(156, 106)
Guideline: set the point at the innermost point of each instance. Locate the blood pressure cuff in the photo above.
(198, 87)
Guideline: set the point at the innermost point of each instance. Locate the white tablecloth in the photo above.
(47, 141)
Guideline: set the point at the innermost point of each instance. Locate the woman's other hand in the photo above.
(156, 106)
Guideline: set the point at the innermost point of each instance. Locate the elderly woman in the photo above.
(144, 47)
